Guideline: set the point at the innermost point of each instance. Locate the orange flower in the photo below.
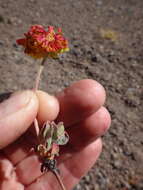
(40, 43)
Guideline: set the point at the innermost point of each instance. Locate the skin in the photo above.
(79, 106)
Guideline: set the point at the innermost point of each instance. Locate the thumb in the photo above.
(16, 115)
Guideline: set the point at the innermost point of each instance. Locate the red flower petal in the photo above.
(41, 43)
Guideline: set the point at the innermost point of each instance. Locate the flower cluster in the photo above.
(40, 43)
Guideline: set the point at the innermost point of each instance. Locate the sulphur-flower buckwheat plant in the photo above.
(43, 44)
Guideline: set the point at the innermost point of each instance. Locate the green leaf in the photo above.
(62, 140)
(46, 132)
(49, 143)
(60, 129)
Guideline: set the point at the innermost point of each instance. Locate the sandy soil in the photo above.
(106, 41)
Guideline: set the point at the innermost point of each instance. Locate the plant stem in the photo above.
(39, 74)
(36, 127)
(59, 179)
(36, 88)
(36, 122)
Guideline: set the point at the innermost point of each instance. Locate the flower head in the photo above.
(40, 43)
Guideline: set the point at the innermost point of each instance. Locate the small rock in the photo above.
(96, 187)
(87, 178)
(1, 43)
(117, 164)
(99, 3)
(1, 18)
(94, 59)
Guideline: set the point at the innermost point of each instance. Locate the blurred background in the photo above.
(106, 44)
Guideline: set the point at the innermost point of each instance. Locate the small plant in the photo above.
(43, 44)
(109, 35)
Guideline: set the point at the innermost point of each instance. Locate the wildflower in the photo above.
(40, 43)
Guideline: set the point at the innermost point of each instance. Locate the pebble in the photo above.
(94, 59)
(1, 18)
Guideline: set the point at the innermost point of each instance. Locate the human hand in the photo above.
(80, 107)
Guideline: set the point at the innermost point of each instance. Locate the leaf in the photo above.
(62, 140)
(46, 133)
(48, 143)
(58, 131)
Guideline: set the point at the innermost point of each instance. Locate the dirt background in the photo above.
(106, 44)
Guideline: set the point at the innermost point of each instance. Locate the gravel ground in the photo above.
(106, 42)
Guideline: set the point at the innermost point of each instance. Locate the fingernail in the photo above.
(16, 102)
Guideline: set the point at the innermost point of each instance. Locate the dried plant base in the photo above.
(52, 166)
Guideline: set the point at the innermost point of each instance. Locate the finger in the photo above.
(11, 184)
(8, 177)
(89, 129)
(80, 100)
(48, 110)
(71, 169)
(16, 115)
(48, 107)
(20, 148)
